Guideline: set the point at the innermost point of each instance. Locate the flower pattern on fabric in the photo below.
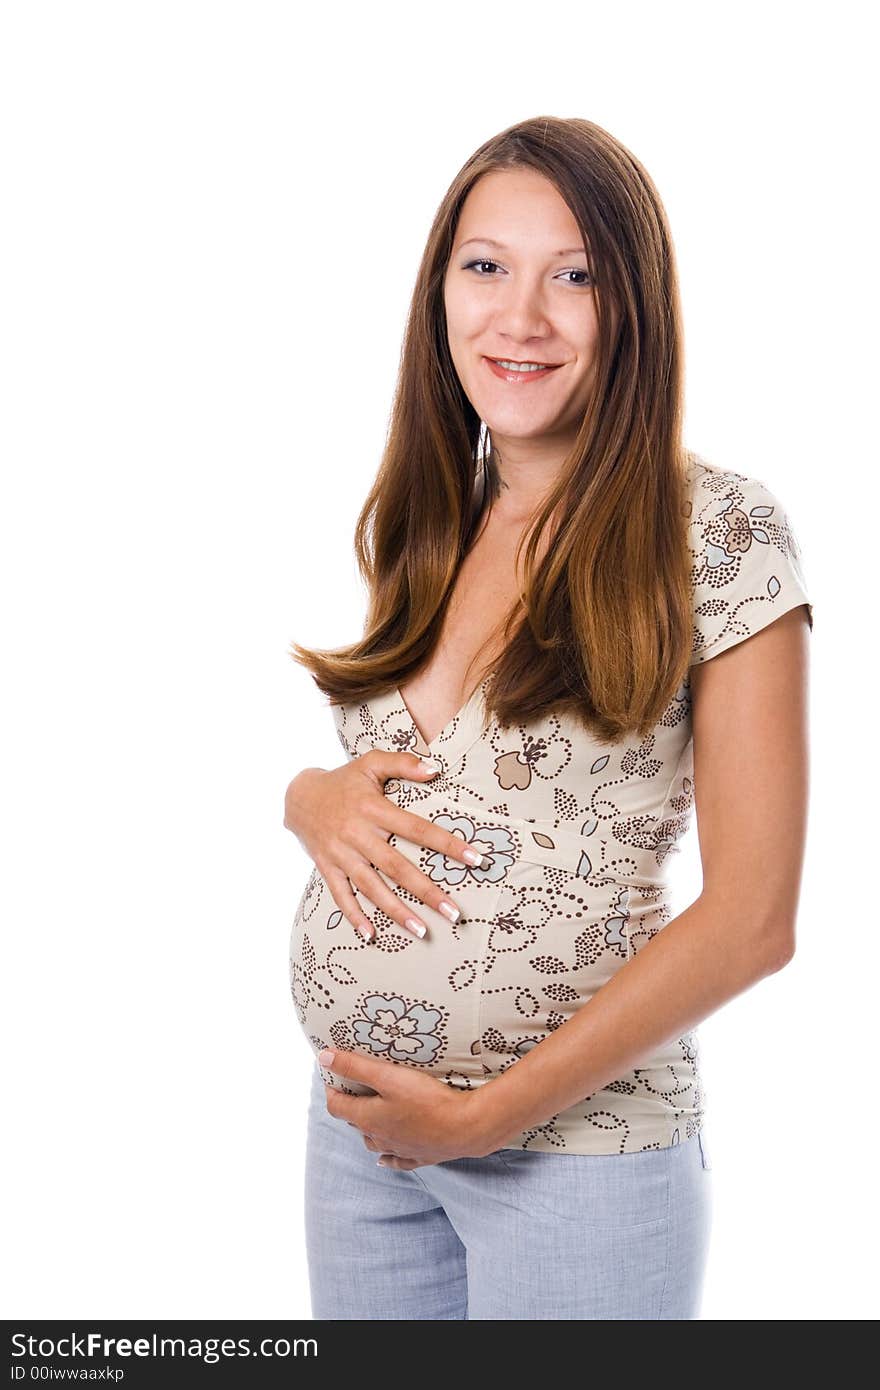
(388, 1025)
(579, 838)
(748, 567)
(545, 757)
(494, 842)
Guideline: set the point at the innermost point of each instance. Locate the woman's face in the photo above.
(517, 288)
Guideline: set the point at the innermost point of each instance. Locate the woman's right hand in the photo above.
(343, 820)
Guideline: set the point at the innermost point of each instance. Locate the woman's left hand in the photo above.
(413, 1119)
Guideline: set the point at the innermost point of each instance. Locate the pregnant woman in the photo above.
(578, 631)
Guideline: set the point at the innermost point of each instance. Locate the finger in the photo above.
(340, 891)
(419, 830)
(366, 880)
(406, 877)
(357, 1110)
(362, 876)
(382, 766)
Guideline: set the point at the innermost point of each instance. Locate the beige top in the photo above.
(582, 835)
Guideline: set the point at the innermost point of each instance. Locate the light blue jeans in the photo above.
(519, 1234)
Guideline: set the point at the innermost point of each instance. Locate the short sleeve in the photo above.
(747, 563)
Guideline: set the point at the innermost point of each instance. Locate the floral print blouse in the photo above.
(581, 838)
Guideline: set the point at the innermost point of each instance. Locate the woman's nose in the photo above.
(522, 316)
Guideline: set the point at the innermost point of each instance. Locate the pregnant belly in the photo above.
(542, 928)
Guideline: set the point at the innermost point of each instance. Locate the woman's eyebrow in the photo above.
(499, 246)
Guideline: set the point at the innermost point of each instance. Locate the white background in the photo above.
(213, 214)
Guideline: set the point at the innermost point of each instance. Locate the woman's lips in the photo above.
(519, 378)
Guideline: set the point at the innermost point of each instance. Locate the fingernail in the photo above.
(366, 933)
(448, 910)
(326, 1056)
(430, 763)
(413, 924)
(380, 1162)
(476, 854)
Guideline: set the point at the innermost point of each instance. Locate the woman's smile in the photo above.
(522, 372)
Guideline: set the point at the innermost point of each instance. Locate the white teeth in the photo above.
(523, 366)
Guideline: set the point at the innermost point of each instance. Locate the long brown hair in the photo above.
(604, 631)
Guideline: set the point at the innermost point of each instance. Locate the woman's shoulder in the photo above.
(712, 480)
(747, 564)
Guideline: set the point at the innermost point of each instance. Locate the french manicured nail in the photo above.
(450, 910)
(382, 1164)
(366, 933)
(326, 1056)
(473, 856)
(430, 763)
(414, 925)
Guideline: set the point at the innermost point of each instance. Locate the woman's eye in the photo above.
(472, 265)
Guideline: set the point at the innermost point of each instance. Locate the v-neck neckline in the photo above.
(451, 723)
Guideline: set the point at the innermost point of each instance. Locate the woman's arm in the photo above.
(751, 782)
